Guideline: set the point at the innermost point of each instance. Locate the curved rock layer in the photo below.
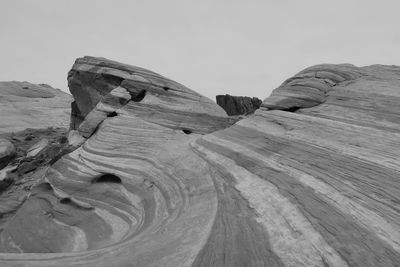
(26, 105)
(161, 177)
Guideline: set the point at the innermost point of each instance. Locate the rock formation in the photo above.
(28, 113)
(7, 152)
(156, 175)
(26, 105)
(238, 105)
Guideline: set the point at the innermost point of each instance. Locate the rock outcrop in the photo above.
(160, 176)
(7, 152)
(238, 105)
(26, 105)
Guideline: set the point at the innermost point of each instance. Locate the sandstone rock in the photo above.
(323, 180)
(75, 139)
(311, 86)
(153, 97)
(7, 152)
(165, 179)
(37, 148)
(22, 172)
(25, 105)
(238, 105)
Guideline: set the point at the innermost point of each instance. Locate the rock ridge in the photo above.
(161, 176)
(310, 87)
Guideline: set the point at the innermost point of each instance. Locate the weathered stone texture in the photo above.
(26, 105)
(162, 177)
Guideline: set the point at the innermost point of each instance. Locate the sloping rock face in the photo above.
(238, 105)
(161, 177)
(323, 181)
(26, 105)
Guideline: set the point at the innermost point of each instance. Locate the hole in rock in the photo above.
(166, 88)
(63, 139)
(29, 138)
(139, 97)
(112, 114)
(107, 178)
(65, 200)
(112, 79)
(187, 131)
(292, 109)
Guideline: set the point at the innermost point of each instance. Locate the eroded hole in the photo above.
(292, 109)
(65, 200)
(112, 114)
(139, 97)
(112, 79)
(187, 131)
(166, 88)
(63, 139)
(107, 178)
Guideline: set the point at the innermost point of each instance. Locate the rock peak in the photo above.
(238, 105)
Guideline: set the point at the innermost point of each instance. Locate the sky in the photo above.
(237, 47)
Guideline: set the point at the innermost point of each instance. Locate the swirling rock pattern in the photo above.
(162, 177)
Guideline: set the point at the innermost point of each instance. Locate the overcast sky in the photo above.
(239, 47)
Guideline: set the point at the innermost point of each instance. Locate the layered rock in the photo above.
(135, 187)
(161, 177)
(26, 105)
(238, 105)
(322, 181)
(29, 112)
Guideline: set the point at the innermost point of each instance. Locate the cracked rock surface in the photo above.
(161, 176)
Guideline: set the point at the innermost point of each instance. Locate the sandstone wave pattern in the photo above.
(159, 175)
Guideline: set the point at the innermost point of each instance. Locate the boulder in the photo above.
(238, 105)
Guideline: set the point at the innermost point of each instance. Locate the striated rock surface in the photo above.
(26, 105)
(160, 176)
(37, 148)
(238, 105)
